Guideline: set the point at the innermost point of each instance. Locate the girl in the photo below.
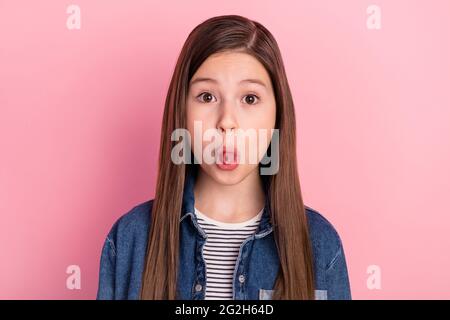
(231, 228)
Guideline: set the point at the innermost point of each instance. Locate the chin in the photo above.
(228, 177)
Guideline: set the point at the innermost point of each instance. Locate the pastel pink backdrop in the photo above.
(80, 119)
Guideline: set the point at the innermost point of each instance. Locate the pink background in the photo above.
(80, 114)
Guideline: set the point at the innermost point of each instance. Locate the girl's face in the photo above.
(231, 92)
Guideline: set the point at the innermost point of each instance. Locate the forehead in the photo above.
(231, 66)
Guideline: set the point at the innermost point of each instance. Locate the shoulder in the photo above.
(325, 240)
(123, 254)
(133, 223)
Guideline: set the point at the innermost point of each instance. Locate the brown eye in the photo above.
(206, 97)
(250, 99)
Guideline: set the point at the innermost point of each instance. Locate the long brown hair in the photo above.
(295, 279)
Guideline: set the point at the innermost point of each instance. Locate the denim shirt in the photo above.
(124, 252)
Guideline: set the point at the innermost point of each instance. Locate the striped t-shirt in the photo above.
(221, 250)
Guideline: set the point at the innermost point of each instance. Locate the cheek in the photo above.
(190, 117)
(198, 113)
(261, 119)
(257, 145)
(264, 126)
(198, 125)
(193, 119)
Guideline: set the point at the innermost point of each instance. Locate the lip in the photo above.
(223, 159)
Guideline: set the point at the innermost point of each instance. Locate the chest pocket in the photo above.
(266, 294)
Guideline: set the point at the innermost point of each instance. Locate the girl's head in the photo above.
(230, 76)
(230, 97)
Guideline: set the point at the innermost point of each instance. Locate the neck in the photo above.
(229, 203)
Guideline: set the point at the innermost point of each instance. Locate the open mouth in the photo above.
(227, 159)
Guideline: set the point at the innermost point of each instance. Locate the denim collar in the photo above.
(265, 225)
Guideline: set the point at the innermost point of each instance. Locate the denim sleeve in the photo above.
(106, 282)
(337, 277)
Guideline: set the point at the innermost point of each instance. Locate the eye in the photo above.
(205, 97)
(251, 99)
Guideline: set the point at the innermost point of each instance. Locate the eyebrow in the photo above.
(256, 81)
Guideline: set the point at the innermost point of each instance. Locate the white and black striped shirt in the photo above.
(221, 251)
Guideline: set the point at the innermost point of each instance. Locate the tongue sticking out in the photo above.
(229, 157)
(228, 160)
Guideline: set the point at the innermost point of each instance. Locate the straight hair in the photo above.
(295, 279)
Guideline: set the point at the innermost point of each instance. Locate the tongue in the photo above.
(228, 158)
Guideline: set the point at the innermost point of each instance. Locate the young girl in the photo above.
(231, 228)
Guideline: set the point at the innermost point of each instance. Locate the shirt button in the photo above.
(198, 287)
(241, 278)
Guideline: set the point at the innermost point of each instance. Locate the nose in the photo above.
(227, 118)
